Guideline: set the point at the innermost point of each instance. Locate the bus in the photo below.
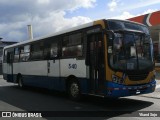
(107, 58)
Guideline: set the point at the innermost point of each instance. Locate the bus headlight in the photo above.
(117, 79)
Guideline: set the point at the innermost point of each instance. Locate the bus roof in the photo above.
(54, 34)
(65, 31)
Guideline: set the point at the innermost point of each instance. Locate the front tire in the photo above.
(74, 90)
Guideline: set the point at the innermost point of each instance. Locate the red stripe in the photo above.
(155, 18)
(137, 19)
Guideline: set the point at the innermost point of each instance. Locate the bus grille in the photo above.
(136, 77)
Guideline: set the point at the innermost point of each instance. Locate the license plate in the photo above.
(138, 92)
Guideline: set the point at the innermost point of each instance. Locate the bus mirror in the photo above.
(110, 36)
(110, 49)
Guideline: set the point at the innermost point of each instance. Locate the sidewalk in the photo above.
(155, 94)
(158, 78)
(158, 75)
(1, 76)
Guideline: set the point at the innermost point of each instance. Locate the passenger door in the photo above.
(53, 65)
(95, 61)
(10, 65)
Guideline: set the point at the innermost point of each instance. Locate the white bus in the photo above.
(86, 60)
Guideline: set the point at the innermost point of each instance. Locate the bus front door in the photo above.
(95, 58)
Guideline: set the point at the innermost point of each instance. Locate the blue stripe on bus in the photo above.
(111, 89)
(44, 82)
(56, 83)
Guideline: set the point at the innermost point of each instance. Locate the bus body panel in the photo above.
(53, 68)
(37, 68)
(50, 74)
(53, 73)
(7, 72)
(73, 67)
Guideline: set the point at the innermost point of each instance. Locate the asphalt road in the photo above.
(13, 99)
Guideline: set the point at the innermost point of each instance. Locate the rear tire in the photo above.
(74, 90)
(20, 82)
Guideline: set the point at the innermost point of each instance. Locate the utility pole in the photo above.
(30, 33)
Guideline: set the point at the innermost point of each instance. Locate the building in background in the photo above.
(152, 20)
(2, 45)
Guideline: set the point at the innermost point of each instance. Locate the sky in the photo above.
(50, 16)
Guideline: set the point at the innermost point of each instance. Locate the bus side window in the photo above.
(51, 48)
(1, 53)
(72, 45)
(16, 54)
(22, 54)
(26, 52)
(46, 52)
(54, 50)
(37, 51)
(10, 57)
(5, 56)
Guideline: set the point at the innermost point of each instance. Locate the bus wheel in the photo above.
(74, 90)
(20, 82)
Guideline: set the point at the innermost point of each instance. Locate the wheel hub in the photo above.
(74, 89)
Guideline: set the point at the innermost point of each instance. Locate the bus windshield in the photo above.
(132, 50)
(124, 25)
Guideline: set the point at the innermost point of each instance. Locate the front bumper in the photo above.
(117, 90)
